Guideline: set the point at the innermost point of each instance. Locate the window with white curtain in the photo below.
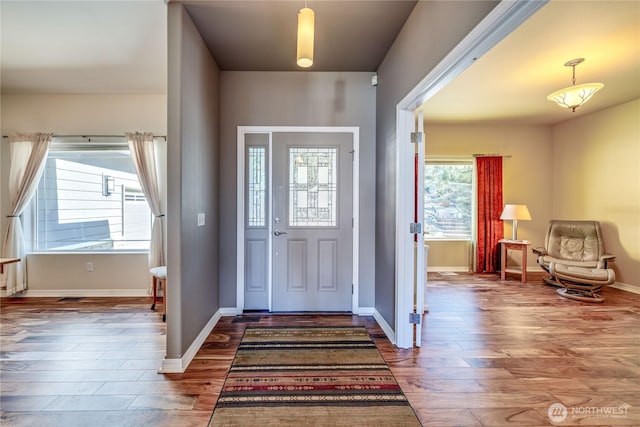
(89, 199)
(448, 199)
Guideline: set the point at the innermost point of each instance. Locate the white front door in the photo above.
(312, 241)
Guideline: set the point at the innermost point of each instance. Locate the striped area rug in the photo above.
(310, 376)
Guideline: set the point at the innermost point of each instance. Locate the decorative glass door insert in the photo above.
(257, 187)
(313, 194)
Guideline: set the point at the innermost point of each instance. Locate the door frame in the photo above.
(240, 215)
(502, 20)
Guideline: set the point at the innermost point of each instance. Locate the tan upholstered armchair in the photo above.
(575, 258)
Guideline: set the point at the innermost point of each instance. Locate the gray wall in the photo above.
(296, 99)
(431, 32)
(192, 163)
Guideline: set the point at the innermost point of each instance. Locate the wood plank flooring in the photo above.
(494, 353)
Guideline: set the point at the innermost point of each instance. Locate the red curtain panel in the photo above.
(490, 228)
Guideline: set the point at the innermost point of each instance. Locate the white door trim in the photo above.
(501, 21)
(240, 221)
(420, 272)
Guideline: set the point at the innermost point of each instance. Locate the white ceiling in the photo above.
(511, 81)
(120, 47)
(83, 46)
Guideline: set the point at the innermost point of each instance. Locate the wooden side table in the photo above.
(517, 245)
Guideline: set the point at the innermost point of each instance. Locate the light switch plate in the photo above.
(201, 219)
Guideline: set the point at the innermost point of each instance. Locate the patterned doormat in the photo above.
(303, 376)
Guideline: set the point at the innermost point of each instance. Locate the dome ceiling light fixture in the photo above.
(574, 96)
(306, 28)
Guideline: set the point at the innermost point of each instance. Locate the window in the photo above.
(448, 199)
(89, 198)
(257, 187)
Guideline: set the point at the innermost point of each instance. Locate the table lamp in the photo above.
(514, 213)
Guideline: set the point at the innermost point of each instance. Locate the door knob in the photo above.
(278, 232)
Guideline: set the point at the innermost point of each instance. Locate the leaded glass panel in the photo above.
(257, 187)
(313, 186)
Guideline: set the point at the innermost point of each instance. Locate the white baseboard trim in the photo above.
(436, 269)
(228, 311)
(365, 311)
(626, 287)
(385, 326)
(178, 366)
(79, 293)
(172, 366)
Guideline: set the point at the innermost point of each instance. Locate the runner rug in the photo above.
(302, 376)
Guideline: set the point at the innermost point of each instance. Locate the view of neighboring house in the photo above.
(91, 201)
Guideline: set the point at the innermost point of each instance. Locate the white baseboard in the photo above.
(172, 366)
(626, 287)
(436, 269)
(228, 311)
(365, 311)
(79, 293)
(385, 326)
(178, 366)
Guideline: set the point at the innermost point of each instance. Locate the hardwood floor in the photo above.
(494, 353)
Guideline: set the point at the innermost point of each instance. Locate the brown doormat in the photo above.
(310, 376)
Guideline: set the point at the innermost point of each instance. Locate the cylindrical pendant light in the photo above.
(306, 23)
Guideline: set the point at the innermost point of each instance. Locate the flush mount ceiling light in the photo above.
(574, 96)
(306, 23)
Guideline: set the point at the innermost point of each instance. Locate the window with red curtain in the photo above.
(490, 228)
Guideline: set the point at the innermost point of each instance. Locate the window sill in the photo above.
(121, 252)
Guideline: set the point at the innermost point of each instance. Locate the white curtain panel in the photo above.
(143, 154)
(28, 155)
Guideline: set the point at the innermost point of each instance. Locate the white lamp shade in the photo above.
(306, 24)
(516, 212)
(574, 96)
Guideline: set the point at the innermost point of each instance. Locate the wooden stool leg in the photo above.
(155, 293)
(164, 300)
